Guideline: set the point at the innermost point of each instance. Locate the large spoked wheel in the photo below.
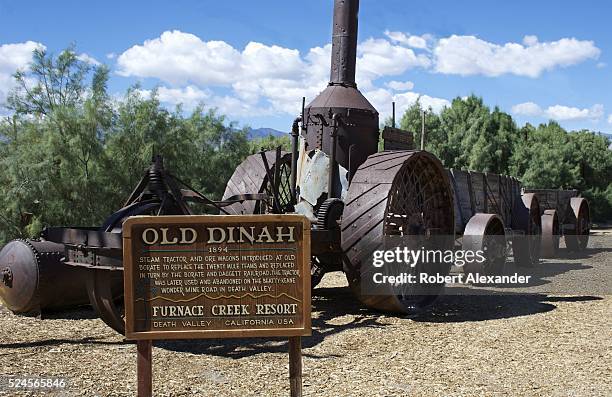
(485, 233)
(251, 177)
(526, 246)
(396, 193)
(550, 234)
(578, 238)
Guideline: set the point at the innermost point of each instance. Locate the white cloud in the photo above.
(409, 40)
(88, 59)
(601, 65)
(469, 55)
(264, 78)
(378, 57)
(381, 99)
(559, 112)
(610, 119)
(527, 109)
(111, 55)
(400, 85)
(190, 96)
(14, 57)
(180, 58)
(562, 113)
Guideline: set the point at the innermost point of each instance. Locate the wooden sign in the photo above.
(213, 276)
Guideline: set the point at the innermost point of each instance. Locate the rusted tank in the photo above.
(35, 278)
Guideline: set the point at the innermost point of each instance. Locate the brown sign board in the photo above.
(216, 276)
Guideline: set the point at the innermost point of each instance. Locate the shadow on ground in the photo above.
(337, 310)
(492, 306)
(56, 342)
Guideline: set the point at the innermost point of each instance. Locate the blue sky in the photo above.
(255, 59)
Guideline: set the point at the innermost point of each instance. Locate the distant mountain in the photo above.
(609, 136)
(264, 132)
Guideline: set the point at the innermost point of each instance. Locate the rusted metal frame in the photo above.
(336, 120)
(277, 169)
(237, 198)
(176, 192)
(295, 133)
(325, 241)
(93, 257)
(142, 184)
(90, 237)
(204, 199)
(275, 203)
(135, 208)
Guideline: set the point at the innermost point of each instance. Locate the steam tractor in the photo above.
(354, 195)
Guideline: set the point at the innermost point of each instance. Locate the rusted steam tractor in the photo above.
(355, 196)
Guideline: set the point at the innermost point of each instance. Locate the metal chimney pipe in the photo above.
(344, 42)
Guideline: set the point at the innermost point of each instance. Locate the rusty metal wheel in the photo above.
(485, 232)
(550, 234)
(578, 238)
(106, 299)
(395, 193)
(251, 177)
(526, 245)
(105, 287)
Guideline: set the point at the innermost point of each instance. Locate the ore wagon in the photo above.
(564, 214)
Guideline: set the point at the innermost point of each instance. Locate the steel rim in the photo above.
(418, 206)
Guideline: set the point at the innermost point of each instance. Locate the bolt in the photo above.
(7, 277)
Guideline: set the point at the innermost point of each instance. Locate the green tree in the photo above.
(594, 160)
(70, 155)
(54, 144)
(270, 142)
(544, 158)
(412, 121)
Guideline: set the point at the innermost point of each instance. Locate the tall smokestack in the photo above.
(344, 42)
(340, 121)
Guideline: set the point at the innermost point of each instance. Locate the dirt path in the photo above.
(524, 345)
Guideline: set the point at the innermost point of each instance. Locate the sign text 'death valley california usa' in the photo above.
(217, 276)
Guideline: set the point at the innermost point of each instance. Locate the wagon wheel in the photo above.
(251, 177)
(550, 234)
(395, 193)
(578, 238)
(104, 287)
(526, 246)
(485, 232)
(107, 303)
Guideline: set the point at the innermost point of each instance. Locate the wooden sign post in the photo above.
(214, 276)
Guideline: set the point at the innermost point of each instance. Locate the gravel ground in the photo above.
(522, 345)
